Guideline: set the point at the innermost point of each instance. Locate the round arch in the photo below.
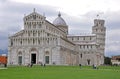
(20, 58)
(33, 55)
(47, 57)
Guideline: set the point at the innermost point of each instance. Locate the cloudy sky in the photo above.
(78, 14)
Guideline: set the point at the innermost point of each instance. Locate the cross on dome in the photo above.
(59, 21)
(59, 14)
(34, 10)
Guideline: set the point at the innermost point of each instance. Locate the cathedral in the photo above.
(43, 42)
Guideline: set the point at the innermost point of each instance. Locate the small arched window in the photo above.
(47, 53)
(19, 53)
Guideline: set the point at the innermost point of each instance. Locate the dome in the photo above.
(59, 21)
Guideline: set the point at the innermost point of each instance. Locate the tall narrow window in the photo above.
(84, 46)
(90, 38)
(48, 40)
(87, 46)
(72, 39)
(39, 41)
(83, 38)
(80, 46)
(21, 42)
(33, 41)
(47, 34)
(11, 43)
(96, 30)
(91, 46)
(81, 55)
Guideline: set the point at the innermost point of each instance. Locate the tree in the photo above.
(107, 61)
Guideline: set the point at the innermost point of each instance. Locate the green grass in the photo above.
(60, 72)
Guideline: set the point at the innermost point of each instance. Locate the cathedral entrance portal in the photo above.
(19, 60)
(47, 59)
(33, 58)
(34, 54)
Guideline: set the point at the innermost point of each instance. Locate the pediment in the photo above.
(34, 16)
(18, 34)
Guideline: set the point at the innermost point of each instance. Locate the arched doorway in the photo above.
(33, 58)
(20, 58)
(88, 61)
(47, 57)
(33, 55)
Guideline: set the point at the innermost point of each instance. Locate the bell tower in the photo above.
(100, 30)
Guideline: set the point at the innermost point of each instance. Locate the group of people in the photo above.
(95, 67)
(3, 64)
(30, 65)
(41, 64)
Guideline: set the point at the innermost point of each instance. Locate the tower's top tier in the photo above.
(99, 22)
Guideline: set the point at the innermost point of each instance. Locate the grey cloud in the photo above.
(3, 40)
(112, 20)
(113, 42)
(113, 25)
(78, 24)
(3, 36)
(12, 8)
(3, 1)
(113, 53)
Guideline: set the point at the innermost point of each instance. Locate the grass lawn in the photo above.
(60, 72)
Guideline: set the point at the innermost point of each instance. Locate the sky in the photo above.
(78, 14)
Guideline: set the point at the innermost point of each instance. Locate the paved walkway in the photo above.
(3, 68)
